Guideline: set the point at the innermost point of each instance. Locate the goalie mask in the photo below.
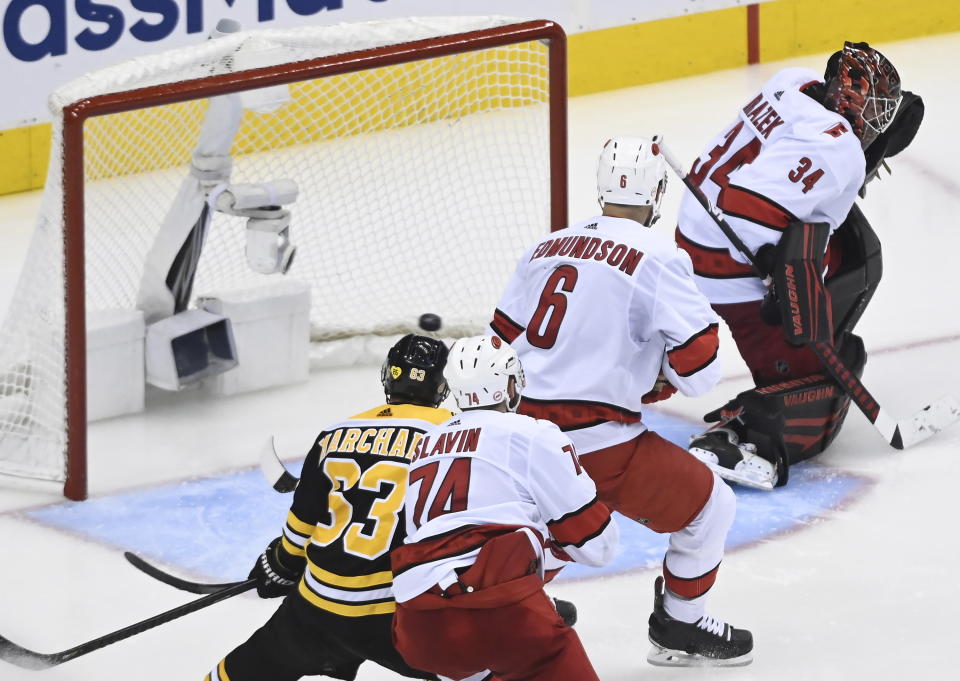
(863, 87)
(632, 172)
(479, 370)
(413, 371)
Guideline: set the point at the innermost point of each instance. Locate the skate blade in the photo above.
(766, 484)
(664, 657)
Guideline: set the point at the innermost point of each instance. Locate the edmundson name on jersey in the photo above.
(617, 255)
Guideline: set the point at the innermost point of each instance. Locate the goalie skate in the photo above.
(722, 451)
(708, 642)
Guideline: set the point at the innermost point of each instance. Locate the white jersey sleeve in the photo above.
(686, 323)
(578, 522)
(513, 308)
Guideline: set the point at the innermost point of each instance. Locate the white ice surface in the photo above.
(866, 593)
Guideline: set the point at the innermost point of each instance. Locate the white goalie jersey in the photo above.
(596, 312)
(784, 158)
(484, 473)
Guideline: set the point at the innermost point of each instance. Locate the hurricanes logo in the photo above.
(395, 372)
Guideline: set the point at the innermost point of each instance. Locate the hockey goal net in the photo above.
(427, 152)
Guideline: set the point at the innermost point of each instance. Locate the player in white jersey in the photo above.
(489, 493)
(786, 172)
(606, 317)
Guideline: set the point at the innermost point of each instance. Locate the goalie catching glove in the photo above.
(276, 571)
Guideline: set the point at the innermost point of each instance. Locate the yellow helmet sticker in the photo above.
(395, 372)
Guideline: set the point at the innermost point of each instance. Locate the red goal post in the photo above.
(77, 114)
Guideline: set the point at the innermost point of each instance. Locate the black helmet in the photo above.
(413, 371)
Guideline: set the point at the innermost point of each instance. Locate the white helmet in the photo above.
(479, 369)
(632, 172)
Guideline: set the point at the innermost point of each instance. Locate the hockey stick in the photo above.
(174, 581)
(29, 659)
(899, 434)
(274, 471)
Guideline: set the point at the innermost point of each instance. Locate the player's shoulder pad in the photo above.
(662, 253)
(434, 415)
(829, 140)
(532, 428)
(654, 244)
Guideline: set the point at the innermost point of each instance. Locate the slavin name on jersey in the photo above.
(458, 441)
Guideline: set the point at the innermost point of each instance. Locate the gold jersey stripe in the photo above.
(222, 670)
(298, 525)
(292, 548)
(374, 579)
(362, 610)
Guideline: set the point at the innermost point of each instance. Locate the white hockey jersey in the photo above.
(784, 158)
(496, 472)
(596, 311)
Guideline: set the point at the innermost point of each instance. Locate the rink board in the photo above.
(213, 528)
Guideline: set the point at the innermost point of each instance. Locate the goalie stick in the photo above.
(34, 661)
(899, 434)
(174, 581)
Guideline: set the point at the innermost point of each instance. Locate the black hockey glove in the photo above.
(276, 571)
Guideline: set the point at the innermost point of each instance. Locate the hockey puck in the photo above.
(430, 321)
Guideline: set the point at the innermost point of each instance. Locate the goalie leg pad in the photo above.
(797, 274)
(854, 280)
(793, 420)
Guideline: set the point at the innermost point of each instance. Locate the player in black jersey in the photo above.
(332, 562)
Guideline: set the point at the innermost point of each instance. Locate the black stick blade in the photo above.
(174, 581)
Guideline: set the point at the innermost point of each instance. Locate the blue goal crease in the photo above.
(213, 528)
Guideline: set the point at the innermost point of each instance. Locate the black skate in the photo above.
(732, 460)
(566, 610)
(708, 642)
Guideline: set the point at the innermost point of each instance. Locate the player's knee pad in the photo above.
(853, 284)
(698, 546)
(722, 506)
(797, 419)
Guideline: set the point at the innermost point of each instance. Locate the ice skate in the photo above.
(708, 642)
(721, 449)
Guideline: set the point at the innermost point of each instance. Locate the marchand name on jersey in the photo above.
(382, 441)
(614, 254)
(457, 441)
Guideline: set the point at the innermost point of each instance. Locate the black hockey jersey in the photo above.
(347, 511)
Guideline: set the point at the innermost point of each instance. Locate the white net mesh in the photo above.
(419, 184)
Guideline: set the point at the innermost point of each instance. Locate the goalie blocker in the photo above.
(762, 431)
